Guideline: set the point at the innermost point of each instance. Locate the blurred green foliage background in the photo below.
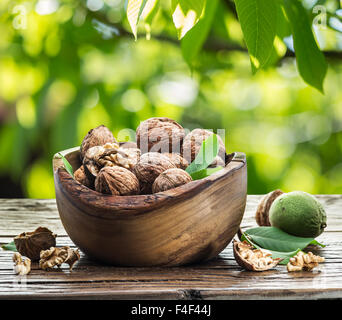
(67, 66)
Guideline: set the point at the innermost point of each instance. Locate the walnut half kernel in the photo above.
(304, 261)
(253, 259)
(21, 267)
(56, 256)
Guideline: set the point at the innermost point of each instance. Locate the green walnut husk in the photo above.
(298, 213)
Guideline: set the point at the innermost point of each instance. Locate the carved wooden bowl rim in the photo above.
(93, 203)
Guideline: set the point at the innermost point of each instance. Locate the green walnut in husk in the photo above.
(298, 213)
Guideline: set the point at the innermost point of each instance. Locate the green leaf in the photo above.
(272, 238)
(206, 155)
(204, 173)
(275, 254)
(134, 11)
(258, 19)
(193, 41)
(149, 12)
(9, 246)
(310, 60)
(186, 14)
(67, 165)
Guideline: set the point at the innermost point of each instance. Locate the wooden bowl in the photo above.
(188, 224)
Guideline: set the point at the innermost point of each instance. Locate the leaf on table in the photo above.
(272, 238)
(134, 11)
(310, 60)
(9, 246)
(193, 41)
(67, 165)
(258, 19)
(186, 14)
(206, 155)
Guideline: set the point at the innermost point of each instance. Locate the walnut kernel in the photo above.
(21, 267)
(56, 256)
(304, 261)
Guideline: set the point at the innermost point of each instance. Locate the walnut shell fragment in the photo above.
(21, 267)
(150, 166)
(159, 134)
(262, 212)
(96, 137)
(57, 256)
(170, 179)
(192, 144)
(303, 261)
(117, 181)
(253, 259)
(30, 244)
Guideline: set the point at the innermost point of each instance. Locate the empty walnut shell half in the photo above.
(159, 134)
(253, 259)
(29, 244)
(96, 137)
(117, 181)
(262, 213)
(170, 179)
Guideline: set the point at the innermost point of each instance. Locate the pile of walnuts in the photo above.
(155, 163)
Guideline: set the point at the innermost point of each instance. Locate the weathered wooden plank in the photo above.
(220, 278)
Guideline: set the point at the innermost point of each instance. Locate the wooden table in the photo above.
(221, 278)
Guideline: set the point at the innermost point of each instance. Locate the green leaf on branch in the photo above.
(258, 19)
(274, 239)
(9, 246)
(310, 60)
(134, 11)
(186, 14)
(206, 155)
(193, 41)
(67, 165)
(150, 10)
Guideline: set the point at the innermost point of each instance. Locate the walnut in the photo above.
(261, 215)
(177, 160)
(96, 137)
(303, 261)
(56, 256)
(159, 135)
(82, 178)
(21, 267)
(30, 244)
(117, 181)
(170, 179)
(253, 259)
(150, 166)
(192, 144)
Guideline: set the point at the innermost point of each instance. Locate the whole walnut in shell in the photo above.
(96, 137)
(82, 178)
(116, 181)
(159, 135)
(29, 244)
(150, 166)
(192, 144)
(170, 179)
(177, 160)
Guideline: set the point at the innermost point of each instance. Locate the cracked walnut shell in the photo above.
(56, 256)
(150, 166)
(159, 135)
(117, 181)
(30, 244)
(96, 137)
(253, 259)
(170, 179)
(262, 212)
